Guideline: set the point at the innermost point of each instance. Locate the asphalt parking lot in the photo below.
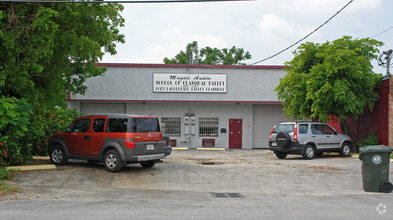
(202, 184)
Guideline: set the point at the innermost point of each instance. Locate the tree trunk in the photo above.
(345, 129)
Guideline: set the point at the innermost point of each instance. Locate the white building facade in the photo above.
(232, 107)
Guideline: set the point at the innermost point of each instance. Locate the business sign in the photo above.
(192, 83)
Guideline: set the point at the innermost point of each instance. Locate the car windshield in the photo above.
(284, 128)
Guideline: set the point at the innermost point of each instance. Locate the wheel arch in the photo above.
(312, 144)
(112, 146)
(58, 142)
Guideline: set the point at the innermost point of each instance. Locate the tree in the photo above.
(330, 79)
(208, 55)
(47, 50)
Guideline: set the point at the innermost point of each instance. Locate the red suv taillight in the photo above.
(295, 138)
(129, 143)
(270, 137)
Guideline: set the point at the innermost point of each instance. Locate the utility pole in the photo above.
(388, 57)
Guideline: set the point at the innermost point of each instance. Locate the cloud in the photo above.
(276, 30)
(167, 43)
(312, 8)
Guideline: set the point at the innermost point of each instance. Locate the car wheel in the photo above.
(148, 164)
(308, 152)
(112, 161)
(283, 139)
(281, 155)
(58, 155)
(345, 150)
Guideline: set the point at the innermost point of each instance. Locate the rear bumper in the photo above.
(292, 148)
(167, 150)
(148, 157)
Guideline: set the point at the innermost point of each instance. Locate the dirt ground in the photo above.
(252, 173)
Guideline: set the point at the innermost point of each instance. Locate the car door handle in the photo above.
(87, 137)
(313, 136)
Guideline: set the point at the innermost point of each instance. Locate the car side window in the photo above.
(327, 129)
(98, 125)
(81, 125)
(303, 128)
(316, 129)
(117, 125)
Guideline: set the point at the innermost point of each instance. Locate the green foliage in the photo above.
(46, 51)
(330, 79)
(208, 55)
(14, 125)
(4, 174)
(372, 139)
(52, 122)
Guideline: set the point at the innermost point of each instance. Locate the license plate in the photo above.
(274, 144)
(150, 147)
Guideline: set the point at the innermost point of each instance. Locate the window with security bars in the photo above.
(208, 127)
(171, 127)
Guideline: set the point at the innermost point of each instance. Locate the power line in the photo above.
(303, 37)
(382, 32)
(116, 1)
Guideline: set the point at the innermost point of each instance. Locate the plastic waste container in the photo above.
(375, 168)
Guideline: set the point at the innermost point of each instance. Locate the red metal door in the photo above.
(235, 133)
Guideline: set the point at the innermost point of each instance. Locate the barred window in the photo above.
(171, 126)
(208, 127)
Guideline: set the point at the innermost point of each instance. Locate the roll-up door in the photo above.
(264, 118)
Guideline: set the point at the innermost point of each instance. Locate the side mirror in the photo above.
(68, 130)
(336, 132)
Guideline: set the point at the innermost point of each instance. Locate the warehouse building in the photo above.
(231, 107)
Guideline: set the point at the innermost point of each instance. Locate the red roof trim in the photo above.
(188, 66)
(176, 101)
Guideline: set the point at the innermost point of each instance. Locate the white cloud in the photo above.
(276, 30)
(328, 7)
(155, 31)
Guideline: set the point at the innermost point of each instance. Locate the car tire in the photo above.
(309, 152)
(112, 161)
(281, 155)
(58, 155)
(148, 164)
(345, 150)
(283, 139)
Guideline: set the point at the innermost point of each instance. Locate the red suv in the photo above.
(114, 139)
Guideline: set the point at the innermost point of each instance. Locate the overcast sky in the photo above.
(262, 27)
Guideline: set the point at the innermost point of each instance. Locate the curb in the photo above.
(34, 167)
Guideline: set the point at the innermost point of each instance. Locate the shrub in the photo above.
(4, 173)
(372, 139)
(53, 122)
(25, 132)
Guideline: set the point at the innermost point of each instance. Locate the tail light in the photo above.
(129, 143)
(295, 138)
(270, 137)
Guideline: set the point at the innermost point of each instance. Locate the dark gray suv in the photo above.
(307, 139)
